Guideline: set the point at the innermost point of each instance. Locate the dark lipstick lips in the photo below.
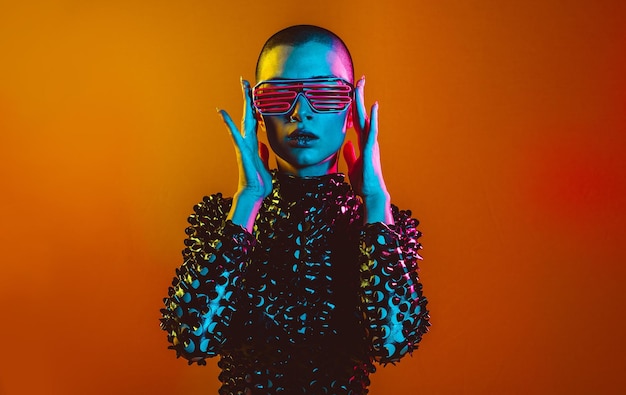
(301, 139)
(301, 134)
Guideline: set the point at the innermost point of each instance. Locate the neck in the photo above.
(319, 169)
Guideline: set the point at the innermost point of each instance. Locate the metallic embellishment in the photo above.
(307, 302)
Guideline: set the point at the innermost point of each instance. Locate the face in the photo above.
(306, 142)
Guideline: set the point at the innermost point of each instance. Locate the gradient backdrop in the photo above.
(502, 126)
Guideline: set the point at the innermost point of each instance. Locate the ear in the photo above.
(349, 122)
(260, 120)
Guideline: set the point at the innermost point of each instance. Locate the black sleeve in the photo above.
(201, 301)
(391, 293)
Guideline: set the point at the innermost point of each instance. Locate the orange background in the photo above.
(502, 126)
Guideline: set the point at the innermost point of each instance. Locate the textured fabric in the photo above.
(307, 302)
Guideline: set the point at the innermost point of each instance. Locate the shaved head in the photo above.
(298, 35)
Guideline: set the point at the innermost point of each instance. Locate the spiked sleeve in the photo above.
(200, 303)
(393, 305)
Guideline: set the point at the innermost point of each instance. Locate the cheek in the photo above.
(273, 130)
(271, 126)
(339, 124)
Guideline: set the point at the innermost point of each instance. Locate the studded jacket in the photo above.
(304, 304)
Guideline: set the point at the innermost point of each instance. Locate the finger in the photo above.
(232, 128)
(349, 155)
(372, 136)
(248, 121)
(264, 153)
(360, 113)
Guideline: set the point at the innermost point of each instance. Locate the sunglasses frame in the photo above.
(306, 85)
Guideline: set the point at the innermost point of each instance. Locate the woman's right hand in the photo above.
(255, 180)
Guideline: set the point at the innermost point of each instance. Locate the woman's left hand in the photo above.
(364, 171)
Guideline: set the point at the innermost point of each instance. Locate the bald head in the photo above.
(299, 35)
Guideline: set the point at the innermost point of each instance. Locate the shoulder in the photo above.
(211, 209)
(404, 217)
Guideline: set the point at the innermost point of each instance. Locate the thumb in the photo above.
(349, 154)
(264, 154)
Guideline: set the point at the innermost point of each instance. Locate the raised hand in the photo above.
(255, 181)
(364, 171)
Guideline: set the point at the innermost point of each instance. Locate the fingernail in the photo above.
(245, 84)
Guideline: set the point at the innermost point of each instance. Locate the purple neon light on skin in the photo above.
(306, 142)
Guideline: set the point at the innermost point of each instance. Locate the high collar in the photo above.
(293, 187)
